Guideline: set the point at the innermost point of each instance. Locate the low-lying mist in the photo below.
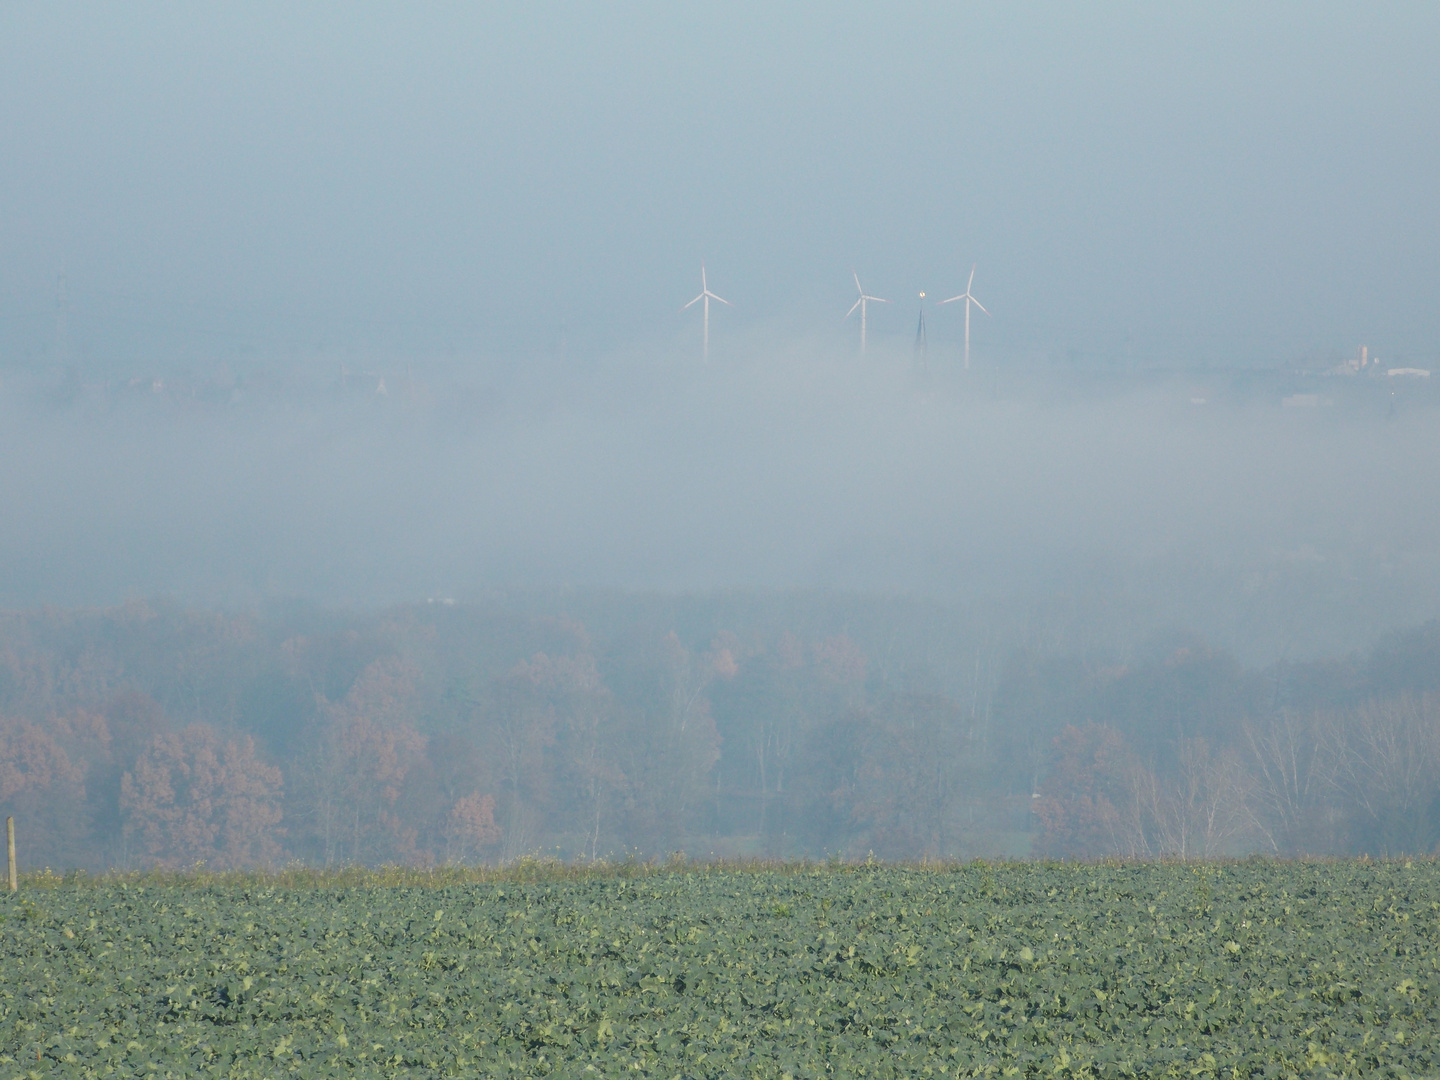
(1188, 499)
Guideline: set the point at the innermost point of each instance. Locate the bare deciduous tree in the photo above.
(1198, 812)
(1386, 756)
(1293, 777)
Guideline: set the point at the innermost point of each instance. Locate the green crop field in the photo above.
(1241, 969)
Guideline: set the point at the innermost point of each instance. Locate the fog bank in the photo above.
(1190, 498)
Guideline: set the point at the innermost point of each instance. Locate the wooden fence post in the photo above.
(10, 850)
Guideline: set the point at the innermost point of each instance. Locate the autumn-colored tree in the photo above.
(251, 807)
(842, 665)
(352, 800)
(670, 745)
(452, 768)
(767, 710)
(85, 736)
(762, 708)
(518, 728)
(899, 774)
(550, 727)
(1187, 691)
(1086, 804)
(585, 728)
(386, 692)
(44, 790)
(331, 664)
(358, 780)
(470, 827)
(192, 797)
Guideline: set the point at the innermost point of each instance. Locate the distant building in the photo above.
(1357, 363)
(1409, 372)
(1301, 401)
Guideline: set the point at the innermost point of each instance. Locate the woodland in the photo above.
(600, 726)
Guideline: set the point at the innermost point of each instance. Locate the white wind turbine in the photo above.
(861, 305)
(968, 301)
(706, 296)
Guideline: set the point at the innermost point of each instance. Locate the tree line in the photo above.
(612, 726)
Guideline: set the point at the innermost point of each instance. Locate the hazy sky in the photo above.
(1218, 182)
(246, 200)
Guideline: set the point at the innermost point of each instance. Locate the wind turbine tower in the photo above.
(861, 305)
(704, 300)
(920, 342)
(968, 301)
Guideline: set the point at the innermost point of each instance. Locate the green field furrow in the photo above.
(1251, 969)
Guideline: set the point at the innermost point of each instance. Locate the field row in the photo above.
(1250, 969)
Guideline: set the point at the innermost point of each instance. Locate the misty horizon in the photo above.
(1197, 499)
(354, 407)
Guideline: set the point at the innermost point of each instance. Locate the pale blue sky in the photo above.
(1213, 182)
(517, 198)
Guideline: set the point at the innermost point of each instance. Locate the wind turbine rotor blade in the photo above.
(876, 300)
(720, 298)
(972, 278)
(858, 287)
(978, 304)
(854, 306)
(952, 299)
(694, 302)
